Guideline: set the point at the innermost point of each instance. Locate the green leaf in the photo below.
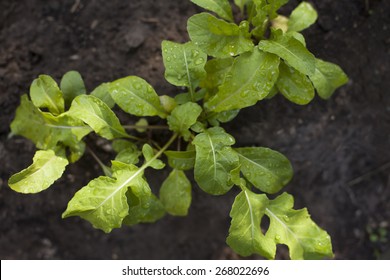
(103, 201)
(273, 6)
(184, 64)
(292, 51)
(294, 85)
(216, 70)
(135, 96)
(141, 210)
(45, 93)
(327, 78)
(241, 4)
(245, 235)
(217, 37)
(168, 103)
(46, 168)
(220, 7)
(302, 17)
(267, 170)
(103, 93)
(183, 117)
(259, 18)
(250, 79)
(98, 116)
(293, 228)
(148, 153)
(72, 85)
(175, 193)
(47, 131)
(214, 161)
(182, 160)
(127, 151)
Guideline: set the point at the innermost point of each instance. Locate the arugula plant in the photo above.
(230, 63)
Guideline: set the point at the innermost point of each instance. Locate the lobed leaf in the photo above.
(327, 78)
(214, 161)
(293, 228)
(291, 50)
(45, 93)
(249, 80)
(302, 17)
(135, 96)
(217, 37)
(98, 116)
(46, 168)
(103, 201)
(175, 193)
(72, 85)
(294, 85)
(221, 7)
(268, 170)
(183, 117)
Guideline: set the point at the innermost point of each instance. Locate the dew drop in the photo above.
(200, 60)
(244, 94)
(169, 58)
(277, 237)
(286, 218)
(137, 86)
(195, 53)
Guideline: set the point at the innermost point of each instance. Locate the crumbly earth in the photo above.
(339, 148)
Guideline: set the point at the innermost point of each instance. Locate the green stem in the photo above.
(156, 127)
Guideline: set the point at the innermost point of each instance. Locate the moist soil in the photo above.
(339, 148)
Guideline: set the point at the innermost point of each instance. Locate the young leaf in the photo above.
(103, 93)
(327, 78)
(245, 236)
(183, 117)
(45, 93)
(181, 160)
(273, 6)
(267, 170)
(148, 153)
(258, 15)
(294, 85)
(46, 130)
(214, 161)
(143, 209)
(241, 4)
(72, 85)
(295, 229)
(135, 96)
(103, 201)
(220, 7)
(98, 116)
(184, 64)
(175, 193)
(302, 17)
(46, 168)
(291, 50)
(217, 37)
(250, 79)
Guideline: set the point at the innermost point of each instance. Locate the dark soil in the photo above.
(339, 148)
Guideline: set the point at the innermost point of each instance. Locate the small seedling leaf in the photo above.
(175, 193)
